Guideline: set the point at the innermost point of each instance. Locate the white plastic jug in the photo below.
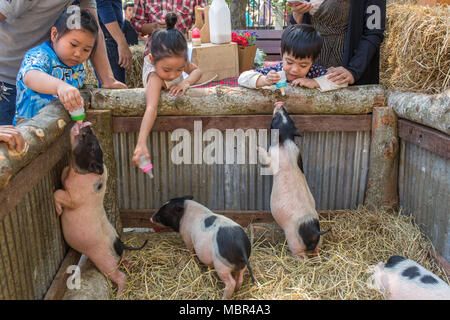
(219, 22)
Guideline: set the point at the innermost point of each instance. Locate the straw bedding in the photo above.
(133, 75)
(165, 269)
(415, 51)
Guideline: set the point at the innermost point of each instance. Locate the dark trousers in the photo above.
(113, 57)
(7, 103)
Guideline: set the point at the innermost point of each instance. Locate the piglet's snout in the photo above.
(279, 104)
(78, 126)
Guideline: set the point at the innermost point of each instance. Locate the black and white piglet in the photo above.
(404, 279)
(218, 241)
(291, 202)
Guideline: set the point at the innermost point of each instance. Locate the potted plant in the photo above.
(279, 10)
(246, 48)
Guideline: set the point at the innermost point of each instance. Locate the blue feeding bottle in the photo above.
(281, 84)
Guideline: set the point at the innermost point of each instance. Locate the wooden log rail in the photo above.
(430, 110)
(40, 133)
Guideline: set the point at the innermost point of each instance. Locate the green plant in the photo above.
(279, 6)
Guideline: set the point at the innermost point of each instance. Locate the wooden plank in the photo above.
(425, 137)
(59, 286)
(141, 218)
(305, 123)
(268, 34)
(29, 176)
(269, 46)
(440, 260)
(272, 57)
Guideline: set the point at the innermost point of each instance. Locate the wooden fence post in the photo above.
(382, 186)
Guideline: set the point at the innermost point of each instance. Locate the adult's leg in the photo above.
(7, 103)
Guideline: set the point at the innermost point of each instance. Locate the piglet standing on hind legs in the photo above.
(83, 218)
(291, 202)
(218, 241)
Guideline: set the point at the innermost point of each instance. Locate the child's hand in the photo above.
(305, 82)
(179, 87)
(12, 137)
(69, 96)
(138, 152)
(271, 78)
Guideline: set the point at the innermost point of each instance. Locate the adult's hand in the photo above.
(299, 9)
(125, 55)
(114, 84)
(12, 137)
(340, 75)
(149, 28)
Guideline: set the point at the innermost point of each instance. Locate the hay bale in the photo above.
(134, 73)
(414, 53)
(166, 269)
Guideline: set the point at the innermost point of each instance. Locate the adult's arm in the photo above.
(299, 12)
(101, 63)
(143, 23)
(371, 38)
(13, 9)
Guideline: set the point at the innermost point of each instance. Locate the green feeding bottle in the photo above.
(78, 115)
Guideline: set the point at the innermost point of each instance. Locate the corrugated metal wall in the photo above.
(424, 181)
(31, 242)
(336, 166)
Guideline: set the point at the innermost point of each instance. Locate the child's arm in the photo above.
(42, 82)
(152, 91)
(305, 82)
(194, 75)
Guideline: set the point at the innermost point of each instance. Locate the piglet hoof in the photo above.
(127, 264)
(59, 210)
(302, 255)
(120, 297)
(316, 253)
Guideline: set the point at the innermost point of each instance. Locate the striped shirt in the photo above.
(149, 11)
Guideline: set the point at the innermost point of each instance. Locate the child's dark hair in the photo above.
(168, 43)
(87, 22)
(301, 41)
(128, 5)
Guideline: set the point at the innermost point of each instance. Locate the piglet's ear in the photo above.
(95, 167)
(188, 197)
(297, 133)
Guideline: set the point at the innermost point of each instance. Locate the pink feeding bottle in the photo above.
(145, 166)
